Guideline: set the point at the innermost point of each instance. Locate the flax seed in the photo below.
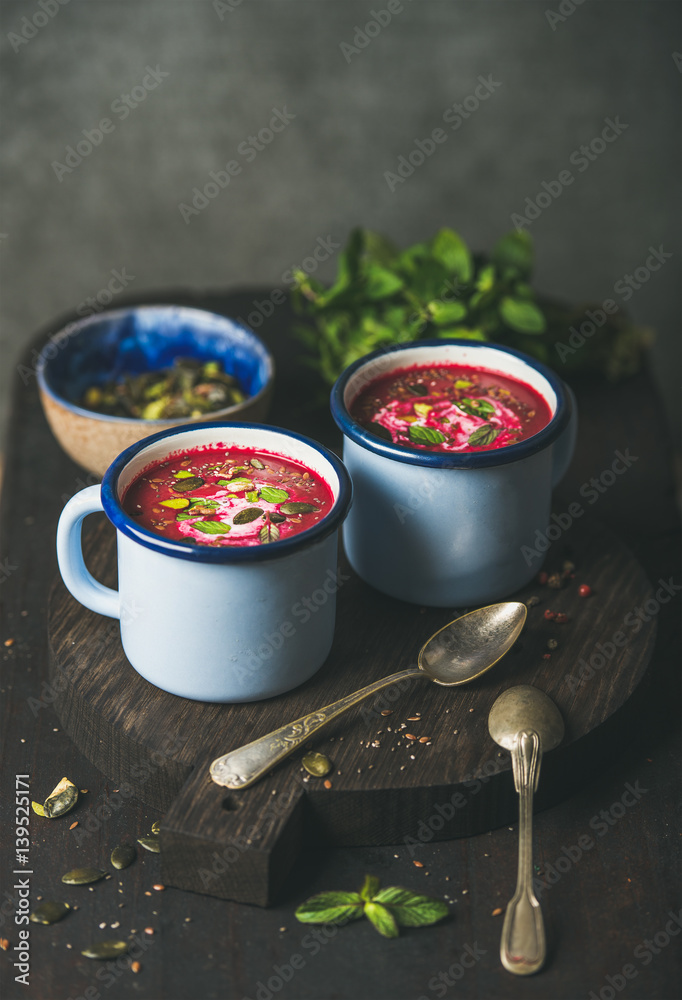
(423, 739)
(497, 911)
(327, 783)
(409, 736)
(418, 864)
(135, 967)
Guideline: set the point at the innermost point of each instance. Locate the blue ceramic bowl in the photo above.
(449, 529)
(140, 339)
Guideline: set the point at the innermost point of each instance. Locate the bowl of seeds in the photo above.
(111, 379)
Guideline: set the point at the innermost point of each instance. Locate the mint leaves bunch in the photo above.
(383, 295)
(387, 909)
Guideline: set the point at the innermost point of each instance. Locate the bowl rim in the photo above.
(77, 326)
(452, 460)
(234, 554)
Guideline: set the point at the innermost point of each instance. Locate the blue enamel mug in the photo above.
(227, 624)
(451, 529)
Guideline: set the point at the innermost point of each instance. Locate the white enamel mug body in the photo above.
(451, 529)
(227, 624)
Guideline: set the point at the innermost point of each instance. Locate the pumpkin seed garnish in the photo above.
(379, 430)
(123, 855)
(256, 463)
(317, 764)
(298, 508)
(185, 485)
(247, 515)
(49, 912)
(61, 800)
(268, 533)
(276, 518)
(37, 808)
(83, 876)
(156, 827)
(106, 949)
(176, 503)
(150, 844)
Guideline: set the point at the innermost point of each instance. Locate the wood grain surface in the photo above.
(601, 901)
(386, 785)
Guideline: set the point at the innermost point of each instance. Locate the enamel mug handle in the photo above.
(564, 446)
(79, 581)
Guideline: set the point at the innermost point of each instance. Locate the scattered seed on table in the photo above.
(188, 920)
(554, 581)
(496, 912)
(546, 656)
(158, 887)
(135, 967)
(423, 739)
(552, 644)
(327, 783)
(9, 642)
(102, 925)
(106, 949)
(147, 893)
(4, 944)
(414, 718)
(73, 825)
(387, 711)
(81, 876)
(418, 864)
(532, 601)
(149, 930)
(409, 736)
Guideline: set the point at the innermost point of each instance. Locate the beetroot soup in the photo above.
(227, 496)
(450, 408)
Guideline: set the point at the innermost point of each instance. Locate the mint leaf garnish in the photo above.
(271, 494)
(484, 435)
(212, 527)
(330, 908)
(387, 909)
(425, 435)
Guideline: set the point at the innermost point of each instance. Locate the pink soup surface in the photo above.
(227, 496)
(450, 408)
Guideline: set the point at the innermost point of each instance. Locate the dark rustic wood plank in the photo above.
(383, 783)
(619, 893)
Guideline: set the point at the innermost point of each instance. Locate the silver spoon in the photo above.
(456, 654)
(526, 722)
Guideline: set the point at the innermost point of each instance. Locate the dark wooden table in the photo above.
(612, 910)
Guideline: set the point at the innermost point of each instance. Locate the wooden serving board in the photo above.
(385, 788)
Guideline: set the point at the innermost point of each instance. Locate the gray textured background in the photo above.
(324, 173)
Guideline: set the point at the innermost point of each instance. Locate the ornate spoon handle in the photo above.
(243, 767)
(522, 948)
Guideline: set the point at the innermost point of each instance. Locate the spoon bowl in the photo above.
(456, 654)
(466, 648)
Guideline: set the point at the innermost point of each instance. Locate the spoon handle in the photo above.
(523, 948)
(243, 767)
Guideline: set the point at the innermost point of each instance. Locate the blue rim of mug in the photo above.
(232, 554)
(451, 460)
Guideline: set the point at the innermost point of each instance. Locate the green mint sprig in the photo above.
(387, 909)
